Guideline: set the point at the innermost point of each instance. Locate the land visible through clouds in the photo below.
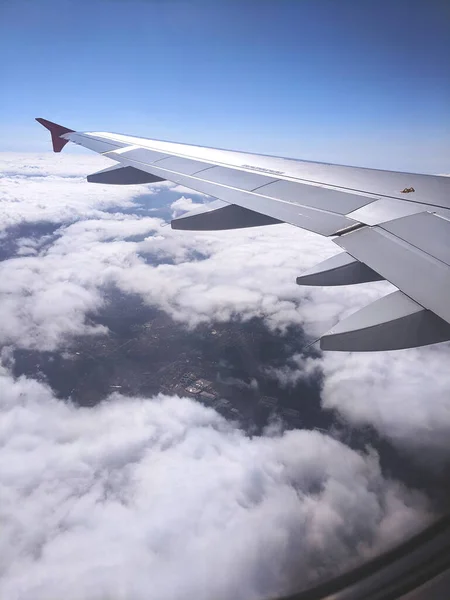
(140, 365)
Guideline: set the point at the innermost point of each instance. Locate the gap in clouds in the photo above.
(145, 352)
(27, 239)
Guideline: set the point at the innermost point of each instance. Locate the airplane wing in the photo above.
(390, 225)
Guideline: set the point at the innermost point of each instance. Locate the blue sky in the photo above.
(351, 82)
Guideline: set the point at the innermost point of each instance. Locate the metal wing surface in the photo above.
(391, 225)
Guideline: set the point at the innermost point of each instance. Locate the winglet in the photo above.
(56, 131)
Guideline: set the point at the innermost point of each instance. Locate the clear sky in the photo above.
(351, 81)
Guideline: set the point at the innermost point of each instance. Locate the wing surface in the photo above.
(391, 225)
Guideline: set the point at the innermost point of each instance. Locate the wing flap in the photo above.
(393, 322)
(386, 209)
(422, 276)
(306, 218)
(430, 233)
(315, 196)
(177, 164)
(236, 178)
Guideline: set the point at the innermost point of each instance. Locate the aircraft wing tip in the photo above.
(56, 132)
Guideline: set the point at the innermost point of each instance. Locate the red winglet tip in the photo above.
(56, 131)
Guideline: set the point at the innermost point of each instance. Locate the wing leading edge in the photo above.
(391, 225)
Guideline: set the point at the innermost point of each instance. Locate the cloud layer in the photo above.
(162, 498)
(52, 287)
(40, 187)
(404, 394)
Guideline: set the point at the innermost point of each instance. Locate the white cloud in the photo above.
(212, 276)
(300, 368)
(404, 394)
(47, 294)
(106, 483)
(45, 298)
(182, 205)
(53, 188)
(207, 276)
(163, 499)
(245, 272)
(19, 164)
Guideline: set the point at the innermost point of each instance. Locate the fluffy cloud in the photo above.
(53, 188)
(48, 291)
(164, 499)
(404, 394)
(46, 298)
(182, 205)
(162, 494)
(194, 277)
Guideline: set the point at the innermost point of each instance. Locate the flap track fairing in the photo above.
(120, 175)
(341, 269)
(393, 322)
(220, 215)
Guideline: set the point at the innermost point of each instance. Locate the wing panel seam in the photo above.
(395, 236)
(152, 165)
